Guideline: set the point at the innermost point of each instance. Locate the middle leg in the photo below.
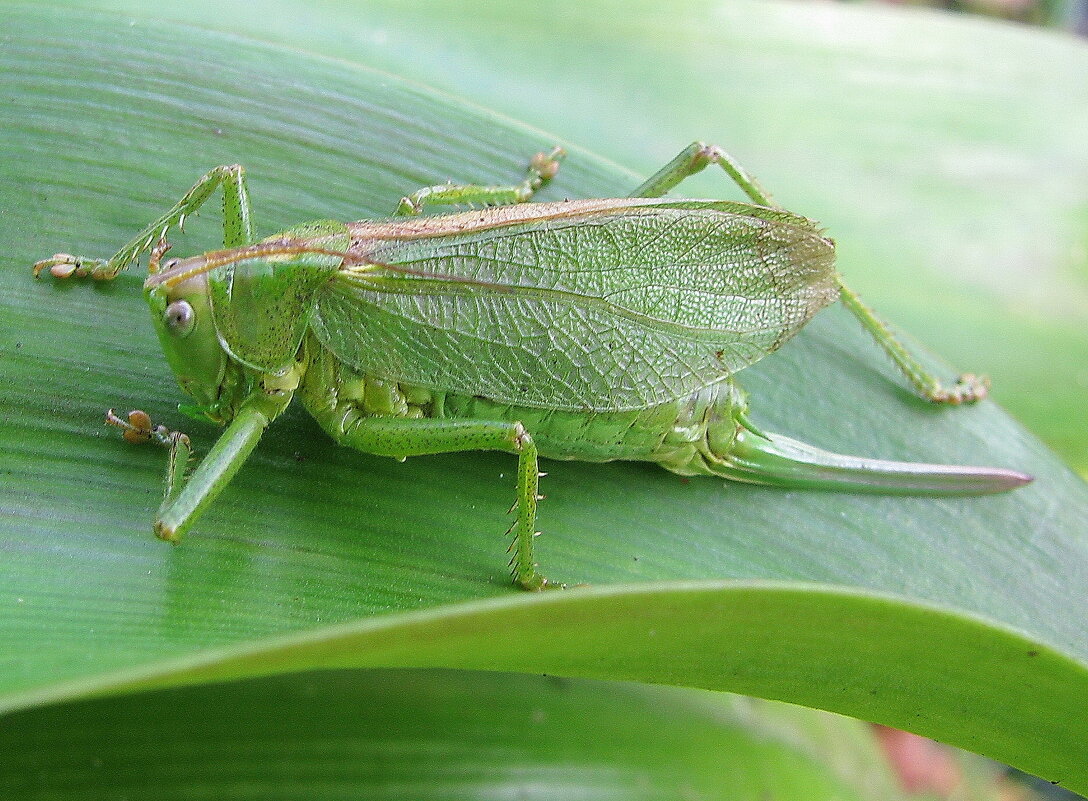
(542, 168)
(237, 227)
(402, 436)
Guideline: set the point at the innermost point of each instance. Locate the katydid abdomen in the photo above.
(671, 433)
(706, 433)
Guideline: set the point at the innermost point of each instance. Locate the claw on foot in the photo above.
(157, 253)
(546, 165)
(537, 582)
(138, 428)
(65, 265)
(969, 388)
(408, 207)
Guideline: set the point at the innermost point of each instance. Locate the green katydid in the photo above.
(597, 330)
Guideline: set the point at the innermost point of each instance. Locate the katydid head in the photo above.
(182, 313)
(229, 316)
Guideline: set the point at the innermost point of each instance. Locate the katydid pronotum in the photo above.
(595, 330)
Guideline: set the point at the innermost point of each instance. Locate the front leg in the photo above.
(184, 501)
(237, 227)
(137, 429)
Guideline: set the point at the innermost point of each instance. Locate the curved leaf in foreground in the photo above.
(945, 675)
(437, 734)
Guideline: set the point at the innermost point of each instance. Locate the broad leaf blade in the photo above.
(310, 534)
(417, 735)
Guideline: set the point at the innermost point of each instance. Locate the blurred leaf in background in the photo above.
(1069, 14)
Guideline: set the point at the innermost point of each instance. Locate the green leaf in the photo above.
(436, 734)
(959, 618)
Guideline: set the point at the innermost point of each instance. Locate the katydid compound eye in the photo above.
(180, 318)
